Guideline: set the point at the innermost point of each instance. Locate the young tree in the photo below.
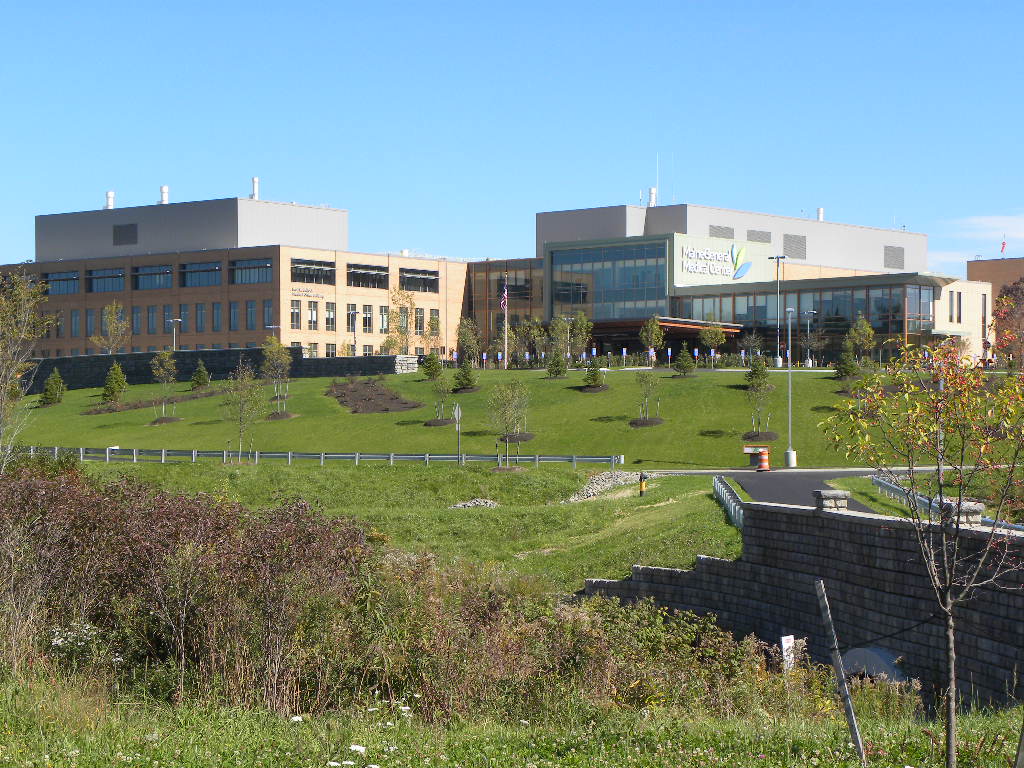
(959, 436)
(759, 388)
(468, 341)
(862, 336)
(815, 344)
(711, 337)
(556, 366)
(200, 376)
(165, 373)
(580, 330)
(508, 404)
(535, 338)
(594, 377)
(432, 367)
(115, 329)
(465, 376)
(683, 364)
(846, 367)
(651, 334)
(53, 389)
(243, 400)
(115, 385)
(403, 312)
(751, 344)
(1008, 313)
(442, 387)
(275, 368)
(21, 325)
(648, 383)
(559, 337)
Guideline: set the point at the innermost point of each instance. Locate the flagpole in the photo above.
(504, 358)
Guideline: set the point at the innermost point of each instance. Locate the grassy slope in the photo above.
(531, 532)
(705, 416)
(78, 727)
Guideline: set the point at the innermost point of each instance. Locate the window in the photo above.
(421, 280)
(367, 276)
(200, 274)
(183, 347)
(350, 318)
(351, 350)
(419, 321)
(216, 346)
(60, 283)
(435, 322)
(385, 319)
(136, 320)
(74, 352)
(296, 315)
(367, 350)
(297, 345)
(984, 317)
(403, 319)
(151, 318)
(250, 315)
(232, 315)
(332, 350)
(200, 318)
(104, 280)
(58, 327)
(90, 322)
(419, 350)
(168, 317)
(250, 271)
(251, 345)
(612, 282)
(232, 345)
(959, 306)
(152, 278)
(215, 308)
(313, 319)
(183, 314)
(200, 346)
(330, 318)
(126, 234)
(367, 318)
(308, 271)
(268, 313)
(314, 349)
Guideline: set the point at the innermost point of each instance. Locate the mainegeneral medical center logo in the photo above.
(705, 261)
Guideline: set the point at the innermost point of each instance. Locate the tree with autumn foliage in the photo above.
(1008, 322)
(945, 433)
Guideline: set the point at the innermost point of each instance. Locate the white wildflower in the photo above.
(358, 748)
(296, 718)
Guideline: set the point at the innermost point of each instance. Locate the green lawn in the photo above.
(705, 416)
(531, 532)
(866, 493)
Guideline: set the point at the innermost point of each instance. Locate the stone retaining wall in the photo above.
(91, 370)
(876, 586)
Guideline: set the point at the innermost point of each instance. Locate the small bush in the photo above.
(683, 364)
(556, 366)
(432, 367)
(53, 389)
(115, 385)
(594, 377)
(200, 377)
(465, 376)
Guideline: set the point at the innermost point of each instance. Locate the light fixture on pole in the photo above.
(353, 313)
(174, 333)
(790, 453)
(568, 325)
(778, 310)
(809, 313)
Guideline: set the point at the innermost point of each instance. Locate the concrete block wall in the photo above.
(876, 586)
(91, 370)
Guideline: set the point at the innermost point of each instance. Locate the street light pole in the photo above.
(809, 313)
(174, 333)
(778, 311)
(354, 315)
(790, 453)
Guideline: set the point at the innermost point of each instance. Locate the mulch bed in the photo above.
(136, 404)
(165, 420)
(281, 416)
(637, 423)
(518, 437)
(601, 388)
(760, 435)
(368, 396)
(465, 390)
(438, 422)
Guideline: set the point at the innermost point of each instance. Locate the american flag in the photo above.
(504, 297)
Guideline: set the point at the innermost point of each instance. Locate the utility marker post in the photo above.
(457, 415)
(837, 665)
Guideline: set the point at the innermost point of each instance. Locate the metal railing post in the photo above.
(256, 457)
(135, 455)
(322, 457)
(194, 455)
(391, 459)
(55, 449)
(426, 459)
(225, 460)
(106, 455)
(163, 455)
(536, 460)
(357, 458)
(289, 458)
(574, 461)
(81, 454)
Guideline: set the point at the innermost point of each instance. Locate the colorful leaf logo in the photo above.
(740, 268)
(741, 271)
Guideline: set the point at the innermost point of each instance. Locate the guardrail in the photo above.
(163, 455)
(898, 493)
(730, 500)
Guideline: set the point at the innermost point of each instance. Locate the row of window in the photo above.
(162, 318)
(309, 350)
(353, 315)
(365, 276)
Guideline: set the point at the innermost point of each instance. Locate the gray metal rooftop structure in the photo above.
(191, 226)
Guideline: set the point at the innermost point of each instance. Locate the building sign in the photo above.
(712, 260)
(309, 293)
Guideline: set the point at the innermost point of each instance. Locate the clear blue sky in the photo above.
(445, 127)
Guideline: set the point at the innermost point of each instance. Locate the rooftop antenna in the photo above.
(255, 188)
(672, 171)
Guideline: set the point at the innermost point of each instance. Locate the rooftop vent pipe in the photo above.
(110, 199)
(164, 192)
(652, 197)
(821, 214)
(255, 188)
